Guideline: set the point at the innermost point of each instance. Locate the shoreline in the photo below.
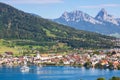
(57, 65)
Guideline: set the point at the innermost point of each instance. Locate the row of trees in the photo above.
(113, 78)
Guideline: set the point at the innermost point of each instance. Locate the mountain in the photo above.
(103, 23)
(18, 25)
(77, 16)
(103, 16)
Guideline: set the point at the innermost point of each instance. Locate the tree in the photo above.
(98, 65)
(115, 78)
(101, 78)
(88, 65)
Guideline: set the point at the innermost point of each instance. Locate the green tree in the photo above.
(88, 64)
(101, 78)
(115, 78)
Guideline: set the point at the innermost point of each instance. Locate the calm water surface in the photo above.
(55, 73)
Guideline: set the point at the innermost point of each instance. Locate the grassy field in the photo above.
(8, 46)
(25, 49)
(8, 49)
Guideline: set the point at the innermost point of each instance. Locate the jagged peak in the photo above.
(75, 12)
(77, 15)
(103, 10)
(102, 14)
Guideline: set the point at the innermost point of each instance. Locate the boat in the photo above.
(25, 68)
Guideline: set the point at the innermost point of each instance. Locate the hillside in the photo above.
(16, 24)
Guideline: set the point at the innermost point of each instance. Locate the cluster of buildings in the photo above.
(88, 58)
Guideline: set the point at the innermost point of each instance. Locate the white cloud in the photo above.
(32, 1)
(101, 6)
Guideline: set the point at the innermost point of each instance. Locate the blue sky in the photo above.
(54, 8)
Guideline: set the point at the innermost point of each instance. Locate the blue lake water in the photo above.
(55, 73)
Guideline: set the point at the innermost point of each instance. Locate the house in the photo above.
(1, 56)
(66, 62)
(8, 54)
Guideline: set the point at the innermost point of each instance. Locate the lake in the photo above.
(56, 73)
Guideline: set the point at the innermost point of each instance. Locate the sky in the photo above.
(55, 8)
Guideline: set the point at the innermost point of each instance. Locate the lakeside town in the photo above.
(103, 59)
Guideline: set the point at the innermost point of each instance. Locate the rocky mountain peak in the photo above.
(105, 17)
(76, 16)
(72, 16)
(102, 15)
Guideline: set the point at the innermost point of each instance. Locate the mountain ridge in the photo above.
(78, 16)
(102, 23)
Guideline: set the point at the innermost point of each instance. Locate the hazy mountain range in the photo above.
(103, 22)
